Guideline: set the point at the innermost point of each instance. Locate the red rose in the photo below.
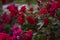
(21, 19)
(48, 5)
(43, 11)
(12, 8)
(46, 21)
(39, 2)
(31, 9)
(32, 20)
(28, 35)
(52, 14)
(38, 8)
(23, 8)
(13, 14)
(4, 15)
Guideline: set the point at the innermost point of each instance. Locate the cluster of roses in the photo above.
(21, 16)
(18, 34)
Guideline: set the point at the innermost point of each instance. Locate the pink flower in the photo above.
(15, 27)
(4, 15)
(58, 4)
(21, 19)
(28, 35)
(6, 19)
(4, 36)
(52, 14)
(48, 5)
(53, 7)
(43, 11)
(23, 8)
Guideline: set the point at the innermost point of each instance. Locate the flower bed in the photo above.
(31, 22)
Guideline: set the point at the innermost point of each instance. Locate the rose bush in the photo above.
(23, 24)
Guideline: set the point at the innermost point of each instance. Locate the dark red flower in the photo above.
(1, 37)
(28, 35)
(46, 21)
(23, 8)
(39, 2)
(12, 8)
(21, 19)
(38, 8)
(32, 20)
(13, 14)
(52, 14)
(31, 9)
(43, 11)
(36, 20)
(10, 0)
(58, 17)
(48, 5)
(15, 28)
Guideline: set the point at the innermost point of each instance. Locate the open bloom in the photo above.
(23, 8)
(31, 9)
(43, 11)
(28, 35)
(21, 19)
(13, 14)
(12, 8)
(39, 2)
(4, 36)
(32, 20)
(48, 5)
